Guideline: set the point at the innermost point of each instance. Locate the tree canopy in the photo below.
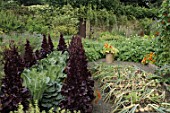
(27, 2)
(99, 4)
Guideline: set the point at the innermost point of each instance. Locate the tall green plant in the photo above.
(164, 38)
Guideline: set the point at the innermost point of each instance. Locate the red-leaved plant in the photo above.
(50, 43)
(78, 87)
(62, 45)
(29, 57)
(37, 55)
(44, 47)
(12, 91)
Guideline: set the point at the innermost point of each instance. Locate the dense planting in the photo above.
(43, 75)
(51, 88)
(164, 35)
(12, 91)
(43, 19)
(93, 49)
(129, 50)
(23, 19)
(130, 89)
(134, 50)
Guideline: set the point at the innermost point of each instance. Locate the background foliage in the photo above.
(164, 37)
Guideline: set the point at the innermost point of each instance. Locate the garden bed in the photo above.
(130, 89)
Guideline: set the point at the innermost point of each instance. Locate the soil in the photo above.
(101, 106)
(148, 68)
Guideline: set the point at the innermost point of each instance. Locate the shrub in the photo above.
(78, 86)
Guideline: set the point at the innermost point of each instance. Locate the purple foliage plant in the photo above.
(62, 45)
(78, 87)
(50, 43)
(12, 91)
(44, 47)
(29, 57)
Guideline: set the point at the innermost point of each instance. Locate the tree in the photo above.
(100, 4)
(28, 2)
(144, 3)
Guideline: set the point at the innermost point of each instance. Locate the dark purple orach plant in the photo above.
(62, 45)
(37, 55)
(12, 91)
(29, 57)
(50, 43)
(44, 47)
(78, 87)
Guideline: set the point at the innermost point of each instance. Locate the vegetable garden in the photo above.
(52, 56)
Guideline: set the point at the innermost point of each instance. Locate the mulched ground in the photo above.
(101, 106)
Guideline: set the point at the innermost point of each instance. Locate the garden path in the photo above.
(148, 68)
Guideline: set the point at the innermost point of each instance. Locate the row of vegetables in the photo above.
(130, 90)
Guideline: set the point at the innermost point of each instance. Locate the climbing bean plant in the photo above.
(164, 37)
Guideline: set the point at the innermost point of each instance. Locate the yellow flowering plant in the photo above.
(107, 48)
